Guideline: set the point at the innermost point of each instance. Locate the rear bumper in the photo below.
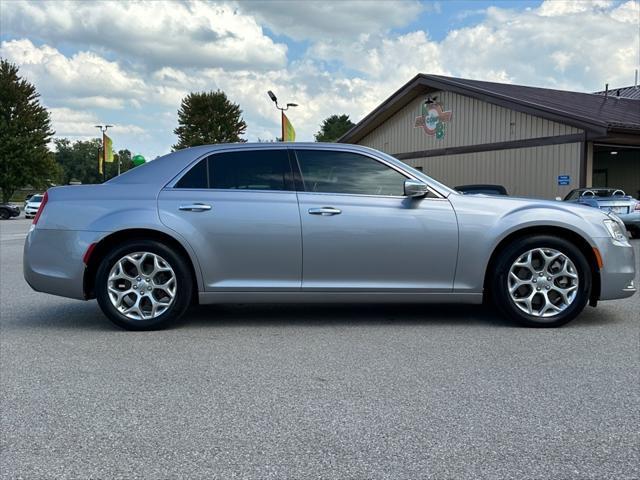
(618, 271)
(53, 260)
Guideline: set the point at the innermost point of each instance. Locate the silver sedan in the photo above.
(316, 223)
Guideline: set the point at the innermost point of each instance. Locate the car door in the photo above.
(239, 212)
(360, 233)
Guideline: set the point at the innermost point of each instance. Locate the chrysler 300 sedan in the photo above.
(316, 223)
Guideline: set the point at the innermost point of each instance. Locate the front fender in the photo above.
(485, 222)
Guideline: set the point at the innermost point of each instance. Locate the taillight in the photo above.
(41, 208)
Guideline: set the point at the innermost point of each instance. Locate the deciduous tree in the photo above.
(208, 117)
(25, 131)
(333, 128)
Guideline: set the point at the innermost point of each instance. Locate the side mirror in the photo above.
(415, 188)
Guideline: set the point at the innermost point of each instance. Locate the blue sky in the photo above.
(130, 63)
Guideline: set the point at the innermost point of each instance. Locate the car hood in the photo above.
(502, 206)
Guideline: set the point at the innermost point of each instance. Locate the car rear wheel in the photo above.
(4, 215)
(143, 285)
(541, 281)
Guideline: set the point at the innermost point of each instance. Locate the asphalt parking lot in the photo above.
(312, 391)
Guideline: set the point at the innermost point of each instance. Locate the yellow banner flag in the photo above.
(108, 144)
(100, 163)
(288, 133)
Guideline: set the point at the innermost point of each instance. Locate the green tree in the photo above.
(333, 128)
(78, 161)
(208, 117)
(25, 131)
(122, 156)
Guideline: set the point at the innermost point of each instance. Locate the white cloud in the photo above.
(84, 74)
(554, 8)
(68, 122)
(319, 20)
(566, 45)
(154, 33)
(138, 73)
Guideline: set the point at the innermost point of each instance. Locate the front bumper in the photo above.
(53, 260)
(618, 271)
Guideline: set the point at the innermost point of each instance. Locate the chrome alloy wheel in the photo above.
(142, 285)
(543, 282)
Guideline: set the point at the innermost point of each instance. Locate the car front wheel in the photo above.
(143, 285)
(541, 281)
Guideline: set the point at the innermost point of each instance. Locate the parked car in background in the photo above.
(27, 198)
(314, 222)
(31, 208)
(8, 211)
(613, 200)
(482, 189)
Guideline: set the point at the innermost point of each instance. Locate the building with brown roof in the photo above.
(535, 141)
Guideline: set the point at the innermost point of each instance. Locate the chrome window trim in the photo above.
(293, 146)
(400, 197)
(224, 190)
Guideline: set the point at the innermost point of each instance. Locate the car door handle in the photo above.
(325, 211)
(195, 207)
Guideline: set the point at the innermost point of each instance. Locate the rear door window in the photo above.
(250, 170)
(241, 170)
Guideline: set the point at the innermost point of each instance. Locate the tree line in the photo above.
(26, 135)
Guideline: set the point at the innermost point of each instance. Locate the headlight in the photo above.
(615, 230)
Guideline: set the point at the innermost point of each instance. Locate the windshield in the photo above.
(595, 193)
(36, 198)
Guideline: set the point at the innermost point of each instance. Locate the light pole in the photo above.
(273, 97)
(103, 130)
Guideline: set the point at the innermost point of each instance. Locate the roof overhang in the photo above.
(422, 84)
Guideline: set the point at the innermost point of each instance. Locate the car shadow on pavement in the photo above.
(87, 316)
(340, 314)
(313, 315)
(71, 315)
(257, 315)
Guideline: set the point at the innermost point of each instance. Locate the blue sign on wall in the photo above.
(564, 179)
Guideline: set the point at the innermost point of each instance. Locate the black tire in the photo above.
(4, 214)
(499, 286)
(184, 285)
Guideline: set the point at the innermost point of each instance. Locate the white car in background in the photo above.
(32, 206)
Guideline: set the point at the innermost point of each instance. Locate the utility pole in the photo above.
(282, 110)
(103, 130)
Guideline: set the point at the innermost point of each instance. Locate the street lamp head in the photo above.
(292, 104)
(272, 96)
